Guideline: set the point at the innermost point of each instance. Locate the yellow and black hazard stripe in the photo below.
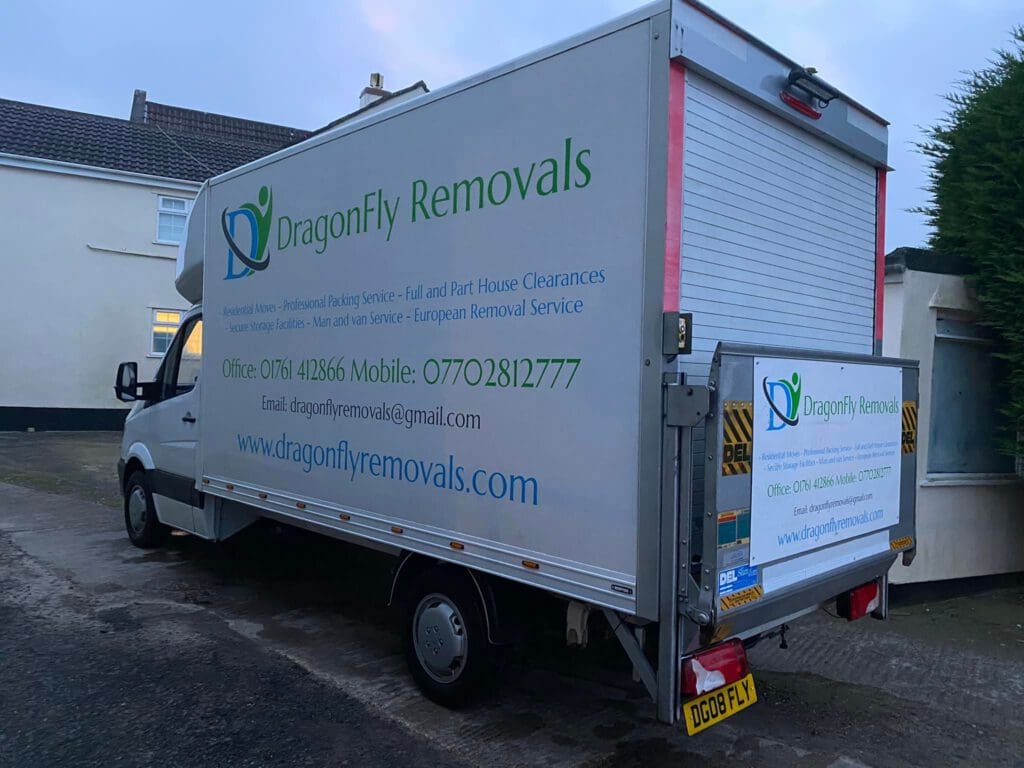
(744, 597)
(737, 437)
(909, 426)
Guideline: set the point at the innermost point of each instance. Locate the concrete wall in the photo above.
(81, 272)
(967, 525)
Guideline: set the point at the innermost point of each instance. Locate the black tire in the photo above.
(144, 529)
(443, 598)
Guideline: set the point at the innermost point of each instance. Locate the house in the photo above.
(92, 209)
(970, 504)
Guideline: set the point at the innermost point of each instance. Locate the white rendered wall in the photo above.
(967, 525)
(70, 312)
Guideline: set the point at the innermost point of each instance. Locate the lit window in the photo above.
(165, 324)
(171, 214)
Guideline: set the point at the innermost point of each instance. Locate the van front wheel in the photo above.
(446, 644)
(144, 529)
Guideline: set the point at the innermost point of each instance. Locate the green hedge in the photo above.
(977, 206)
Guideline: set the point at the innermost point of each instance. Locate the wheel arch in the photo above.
(412, 565)
(138, 455)
(133, 466)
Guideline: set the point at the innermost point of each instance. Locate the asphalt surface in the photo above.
(277, 650)
(146, 685)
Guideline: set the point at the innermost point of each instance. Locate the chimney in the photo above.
(138, 107)
(374, 92)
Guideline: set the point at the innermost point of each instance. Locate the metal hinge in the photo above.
(686, 405)
(699, 616)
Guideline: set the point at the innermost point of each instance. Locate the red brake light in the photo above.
(800, 106)
(713, 668)
(858, 602)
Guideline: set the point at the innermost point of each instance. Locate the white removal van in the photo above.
(603, 321)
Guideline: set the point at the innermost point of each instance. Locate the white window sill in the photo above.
(175, 243)
(969, 478)
(155, 356)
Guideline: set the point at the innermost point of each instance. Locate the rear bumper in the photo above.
(778, 608)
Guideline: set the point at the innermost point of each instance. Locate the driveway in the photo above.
(277, 650)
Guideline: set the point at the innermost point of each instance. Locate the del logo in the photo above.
(783, 397)
(247, 231)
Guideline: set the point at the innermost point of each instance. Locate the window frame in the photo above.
(171, 212)
(153, 322)
(960, 328)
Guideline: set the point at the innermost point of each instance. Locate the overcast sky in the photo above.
(303, 63)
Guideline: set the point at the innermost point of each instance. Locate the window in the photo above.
(171, 213)
(962, 436)
(191, 358)
(165, 323)
(180, 370)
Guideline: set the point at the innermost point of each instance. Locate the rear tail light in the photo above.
(859, 602)
(713, 668)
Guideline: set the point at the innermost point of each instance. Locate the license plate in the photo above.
(715, 706)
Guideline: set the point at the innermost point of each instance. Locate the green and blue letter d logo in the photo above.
(251, 222)
(783, 398)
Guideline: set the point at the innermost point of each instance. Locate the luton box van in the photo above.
(604, 321)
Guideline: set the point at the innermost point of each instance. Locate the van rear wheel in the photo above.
(446, 644)
(140, 520)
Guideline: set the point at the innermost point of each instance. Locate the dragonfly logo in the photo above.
(783, 397)
(247, 231)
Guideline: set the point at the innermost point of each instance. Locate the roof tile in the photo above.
(107, 142)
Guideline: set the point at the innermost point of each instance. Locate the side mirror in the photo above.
(126, 386)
